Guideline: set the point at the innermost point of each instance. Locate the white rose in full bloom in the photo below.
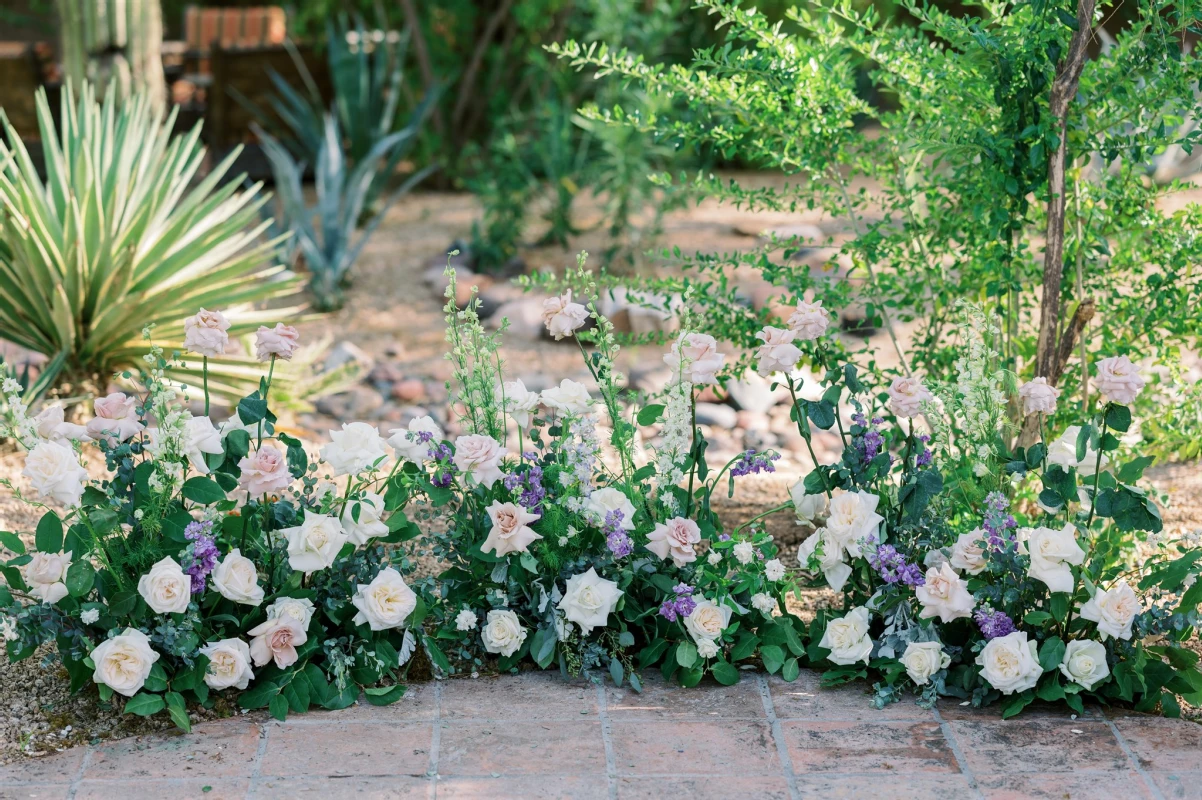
(1119, 380)
(694, 358)
(1063, 451)
(237, 578)
(503, 633)
(777, 353)
(562, 317)
(46, 576)
(588, 600)
(520, 402)
(968, 553)
(707, 620)
(201, 438)
(852, 519)
(1009, 663)
(1051, 553)
(384, 603)
(569, 397)
(166, 589)
(229, 664)
(51, 424)
(743, 552)
(466, 620)
(763, 603)
(479, 457)
(369, 508)
(511, 531)
(944, 595)
(1038, 396)
(1084, 662)
(676, 539)
(602, 502)
(124, 662)
(263, 472)
(116, 419)
(774, 570)
(707, 648)
(205, 333)
(830, 561)
(810, 508)
(353, 449)
(924, 659)
(296, 608)
(1113, 609)
(282, 341)
(847, 638)
(314, 544)
(53, 471)
(809, 320)
(906, 396)
(415, 442)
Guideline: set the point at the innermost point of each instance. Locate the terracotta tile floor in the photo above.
(540, 737)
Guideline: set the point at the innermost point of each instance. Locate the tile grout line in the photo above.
(84, 763)
(1131, 757)
(778, 737)
(950, 736)
(435, 741)
(260, 751)
(611, 765)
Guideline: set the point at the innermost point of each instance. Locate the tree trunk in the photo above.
(119, 42)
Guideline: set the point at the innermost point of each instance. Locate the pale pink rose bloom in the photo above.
(562, 317)
(116, 418)
(809, 320)
(1039, 397)
(480, 457)
(777, 353)
(944, 595)
(281, 341)
(695, 358)
(906, 396)
(1119, 379)
(511, 531)
(676, 539)
(205, 333)
(51, 424)
(276, 640)
(264, 471)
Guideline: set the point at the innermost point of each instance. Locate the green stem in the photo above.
(266, 391)
(769, 512)
(803, 429)
(688, 507)
(1097, 469)
(205, 372)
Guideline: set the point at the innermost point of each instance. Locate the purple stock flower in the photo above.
(444, 474)
(993, 623)
(616, 539)
(893, 567)
(998, 522)
(680, 605)
(752, 462)
(201, 556)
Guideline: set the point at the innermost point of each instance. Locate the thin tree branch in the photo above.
(477, 59)
(413, 22)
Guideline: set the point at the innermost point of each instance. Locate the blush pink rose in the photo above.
(116, 418)
(480, 457)
(264, 472)
(906, 396)
(809, 320)
(777, 353)
(695, 358)
(281, 341)
(276, 640)
(511, 531)
(1038, 396)
(562, 317)
(1119, 380)
(205, 333)
(676, 539)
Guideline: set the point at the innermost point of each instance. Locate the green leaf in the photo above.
(1059, 605)
(791, 670)
(384, 695)
(156, 681)
(773, 658)
(724, 672)
(1133, 470)
(1016, 703)
(49, 535)
(144, 704)
(252, 409)
(178, 711)
(296, 692)
(80, 578)
(745, 647)
(278, 707)
(686, 654)
(1051, 653)
(13, 542)
(1036, 617)
(649, 414)
(542, 647)
(202, 490)
(1118, 418)
(259, 695)
(616, 671)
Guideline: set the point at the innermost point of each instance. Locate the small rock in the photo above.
(525, 317)
(345, 353)
(753, 420)
(650, 377)
(717, 415)
(754, 392)
(358, 403)
(385, 372)
(410, 390)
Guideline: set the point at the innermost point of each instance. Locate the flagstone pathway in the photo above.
(539, 737)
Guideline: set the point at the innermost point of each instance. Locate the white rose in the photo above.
(569, 397)
(562, 316)
(415, 442)
(1038, 396)
(52, 425)
(236, 578)
(1009, 663)
(707, 620)
(123, 663)
(830, 561)
(694, 358)
(503, 633)
(588, 599)
(297, 608)
(847, 638)
(520, 402)
(1113, 610)
(808, 507)
(906, 396)
(229, 664)
(384, 603)
(1063, 451)
(774, 570)
(166, 589)
(1119, 380)
(777, 353)
(944, 595)
(205, 333)
(602, 502)
(353, 449)
(763, 603)
(1085, 662)
(968, 553)
(809, 320)
(369, 508)
(201, 438)
(1051, 553)
(466, 620)
(314, 544)
(479, 457)
(46, 576)
(743, 552)
(852, 519)
(707, 648)
(924, 659)
(53, 471)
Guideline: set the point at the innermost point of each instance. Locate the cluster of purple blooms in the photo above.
(993, 623)
(751, 462)
(998, 521)
(530, 482)
(925, 456)
(893, 567)
(870, 443)
(443, 458)
(200, 556)
(616, 539)
(680, 605)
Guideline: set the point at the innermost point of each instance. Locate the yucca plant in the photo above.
(118, 237)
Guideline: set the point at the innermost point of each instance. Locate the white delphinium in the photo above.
(19, 425)
(676, 436)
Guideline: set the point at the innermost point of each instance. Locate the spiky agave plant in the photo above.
(119, 237)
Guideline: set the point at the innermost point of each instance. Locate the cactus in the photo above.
(118, 42)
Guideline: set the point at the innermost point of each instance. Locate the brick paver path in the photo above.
(538, 736)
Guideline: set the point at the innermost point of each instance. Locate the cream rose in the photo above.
(562, 317)
(384, 603)
(707, 648)
(694, 358)
(906, 396)
(777, 353)
(116, 419)
(479, 457)
(847, 638)
(852, 519)
(205, 333)
(1038, 396)
(415, 442)
(124, 662)
(1009, 663)
(1051, 551)
(774, 570)
(53, 471)
(236, 578)
(503, 634)
(924, 659)
(1063, 452)
(369, 508)
(166, 589)
(297, 608)
(676, 539)
(1119, 380)
(707, 620)
(276, 640)
(314, 544)
(809, 320)
(810, 508)
(829, 561)
(46, 576)
(569, 397)
(201, 438)
(944, 595)
(229, 664)
(264, 472)
(520, 403)
(603, 502)
(358, 446)
(588, 599)
(968, 553)
(282, 341)
(51, 424)
(1084, 663)
(511, 531)
(1113, 609)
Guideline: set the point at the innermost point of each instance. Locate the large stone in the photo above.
(345, 353)
(525, 315)
(753, 392)
(360, 403)
(718, 415)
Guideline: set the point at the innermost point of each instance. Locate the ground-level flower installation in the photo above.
(217, 558)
